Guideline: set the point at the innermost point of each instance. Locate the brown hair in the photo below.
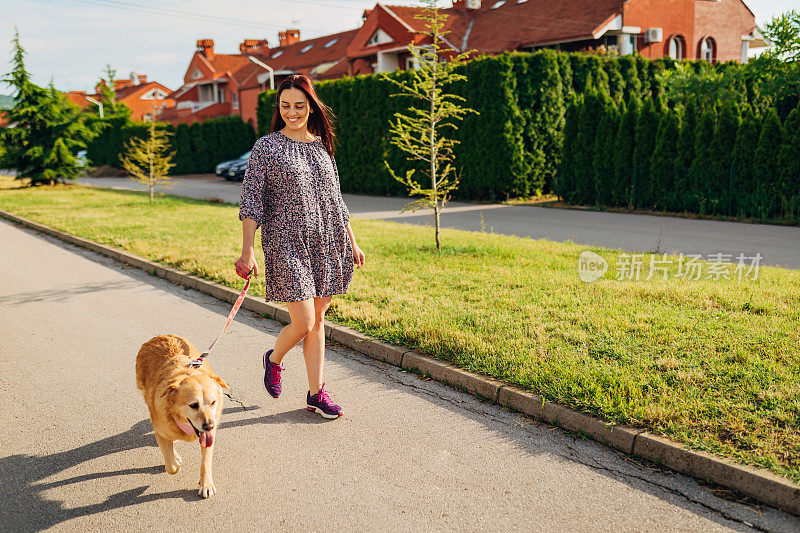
(320, 122)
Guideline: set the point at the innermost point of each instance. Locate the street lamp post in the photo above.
(92, 100)
(271, 72)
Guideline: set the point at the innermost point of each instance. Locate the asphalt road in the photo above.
(77, 452)
(778, 245)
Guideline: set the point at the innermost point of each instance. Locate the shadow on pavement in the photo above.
(23, 506)
(62, 294)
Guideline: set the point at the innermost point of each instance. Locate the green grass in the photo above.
(714, 364)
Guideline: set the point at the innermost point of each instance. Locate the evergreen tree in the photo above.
(202, 161)
(766, 166)
(627, 68)
(565, 180)
(184, 163)
(211, 137)
(699, 186)
(616, 83)
(604, 153)
(149, 159)
(720, 173)
(588, 121)
(546, 117)
(685, 156)
(790, 166)
(624, 164)
(662, 169)
(421, 130)
(744, 190)
(47, 130)
(646, 131)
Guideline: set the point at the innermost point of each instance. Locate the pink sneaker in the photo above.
(321, 403)
(272, 376)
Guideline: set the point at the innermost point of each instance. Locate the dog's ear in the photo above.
(221, 382)
(172, 386)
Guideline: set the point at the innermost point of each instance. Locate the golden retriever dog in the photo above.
(185, 403)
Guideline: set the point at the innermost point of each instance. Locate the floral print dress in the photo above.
(291, 189)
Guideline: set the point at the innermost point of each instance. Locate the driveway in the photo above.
(777, 245)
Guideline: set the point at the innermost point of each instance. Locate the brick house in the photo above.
(224, 84)
(144, 98)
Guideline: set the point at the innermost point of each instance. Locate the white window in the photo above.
(379, 37)
(235, 100)
(221, 95)
(306, 48)
(498, 4)
(148, 117)
(276, 54)
(197, 74)
(205, 93)
(708, 50)
(676, 47)
(331, 43)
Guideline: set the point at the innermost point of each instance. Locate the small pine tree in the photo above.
(646, 131)
(47, 130)
(624, 164)
(662, 168)
(766, 166)
(419, 132)
(148, 160)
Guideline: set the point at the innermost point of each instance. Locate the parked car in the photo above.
(222, 168)
(236, 171)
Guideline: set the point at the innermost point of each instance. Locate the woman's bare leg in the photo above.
(314, 345)
(302, 322)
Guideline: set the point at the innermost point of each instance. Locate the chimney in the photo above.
(365, 14)
(467, 4)
(289, 36)
(142, 79)
(254, 46)
(206, 46)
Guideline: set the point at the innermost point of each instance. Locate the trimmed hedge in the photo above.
(198, 148)
(701, 157)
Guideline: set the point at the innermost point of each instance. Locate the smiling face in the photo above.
(294, 109)
(197, 400)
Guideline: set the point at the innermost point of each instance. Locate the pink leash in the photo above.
(199, 361)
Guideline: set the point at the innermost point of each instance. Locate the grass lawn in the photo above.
(714, 363)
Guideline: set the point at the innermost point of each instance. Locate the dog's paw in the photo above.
(207, 488)
(175, 466)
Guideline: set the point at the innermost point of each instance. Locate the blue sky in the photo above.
(70, 41)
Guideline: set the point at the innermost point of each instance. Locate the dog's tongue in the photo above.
(206, 439)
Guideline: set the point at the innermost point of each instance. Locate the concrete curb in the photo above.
(757, 483)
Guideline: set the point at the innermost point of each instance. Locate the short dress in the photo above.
(291, 189)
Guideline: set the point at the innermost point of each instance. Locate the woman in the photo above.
(291, 190)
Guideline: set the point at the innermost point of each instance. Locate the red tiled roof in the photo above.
(292, 57)
(454, 25)
(513, 23)
(79, 98)
(535, 22)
